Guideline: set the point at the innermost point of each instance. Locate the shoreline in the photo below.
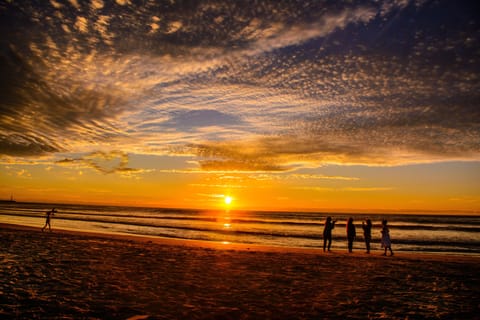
(247, 247)
(418, 235)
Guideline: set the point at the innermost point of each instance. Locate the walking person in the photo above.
(49, 215)
(351, 234)
(327, 233)
(386, 242)
(367, 233)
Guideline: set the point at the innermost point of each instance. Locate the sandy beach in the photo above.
(74, 275)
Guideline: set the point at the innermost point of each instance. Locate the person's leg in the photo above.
(324, 243)
(329, 243)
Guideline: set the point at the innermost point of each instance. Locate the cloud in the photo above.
(240, 165)
(21, 145)
(346, 189)
(268, 87)
(104, 162)
(122, 2)
(96, 4)
(107, 162)
(67, 161)
(23, 174)
(219, 186)
(465, 199)
(275, 37)
(289, 153)
(81, 24)
(322, 177)
(367, 189)
(238, 156)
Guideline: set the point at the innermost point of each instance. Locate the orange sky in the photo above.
(284, 105)
(442, 187)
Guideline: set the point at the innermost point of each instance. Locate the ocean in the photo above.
(429, 233)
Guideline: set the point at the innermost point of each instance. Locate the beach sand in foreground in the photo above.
(87, 276)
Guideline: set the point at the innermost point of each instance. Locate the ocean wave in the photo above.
(410, 232)
(467, 227)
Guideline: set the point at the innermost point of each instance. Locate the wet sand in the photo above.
(75, 275)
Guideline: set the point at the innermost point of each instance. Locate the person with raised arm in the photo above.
(327, 233)
(48, 217)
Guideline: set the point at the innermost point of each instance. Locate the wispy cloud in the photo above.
(104, 162)
(220, 186)
(344, 189)
(367, 189)
(322, 177)
(23, 174)
(465, 199)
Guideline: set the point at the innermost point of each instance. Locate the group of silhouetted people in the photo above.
(352, 234)
(327, 233)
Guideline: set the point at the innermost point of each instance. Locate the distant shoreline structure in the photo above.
(11, 200)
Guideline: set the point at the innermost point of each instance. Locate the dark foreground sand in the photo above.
(72, 275)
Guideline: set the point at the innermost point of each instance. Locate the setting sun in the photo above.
(228, 200)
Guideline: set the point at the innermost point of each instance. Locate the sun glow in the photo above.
(228, 200)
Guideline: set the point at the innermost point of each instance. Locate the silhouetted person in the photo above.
(351, 234)
(327, 233)
(367, 233)
(386, 243)
(48, 218)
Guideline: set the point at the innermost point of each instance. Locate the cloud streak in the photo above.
(103, 162)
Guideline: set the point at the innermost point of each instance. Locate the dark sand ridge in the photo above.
(66, 274)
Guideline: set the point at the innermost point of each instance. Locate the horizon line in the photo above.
(299, 210)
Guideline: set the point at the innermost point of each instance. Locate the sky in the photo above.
(281, 105)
